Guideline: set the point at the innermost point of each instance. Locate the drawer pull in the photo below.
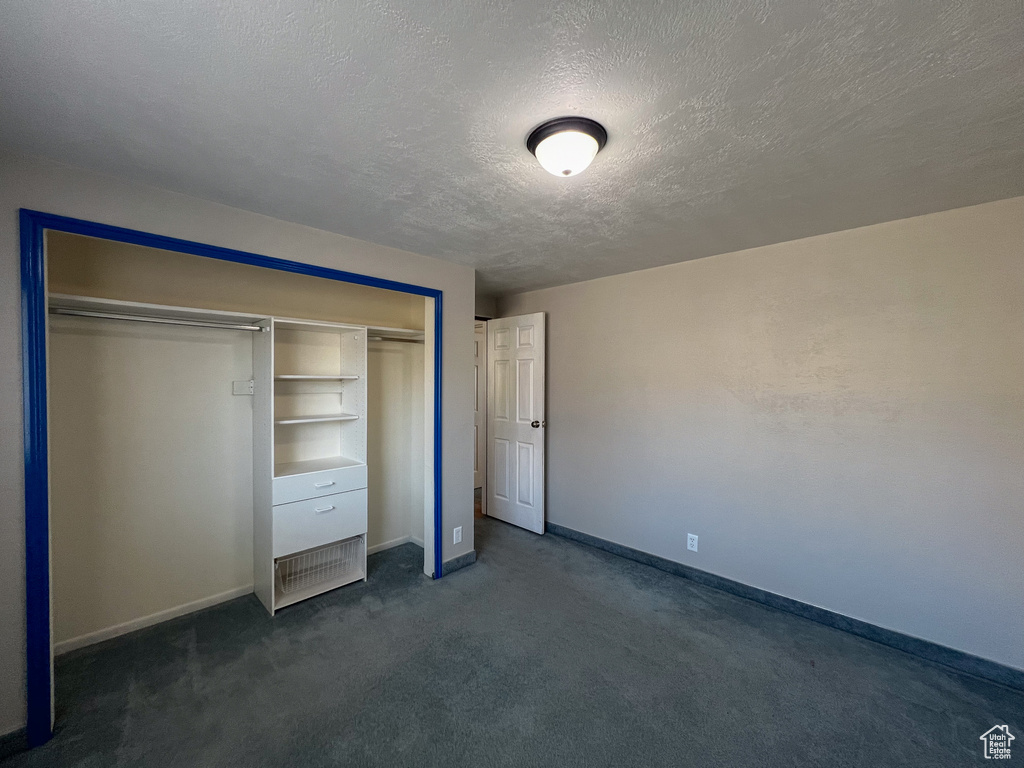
(323, 485)
(321, 510)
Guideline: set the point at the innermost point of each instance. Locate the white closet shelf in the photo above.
(118, 307)
(304, 377)
(377, 330)
(317, 417)
(314, 465)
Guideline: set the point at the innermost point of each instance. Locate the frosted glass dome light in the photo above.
(566, 153)
(567, 145)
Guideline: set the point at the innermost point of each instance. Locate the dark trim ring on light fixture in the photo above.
(559, 124)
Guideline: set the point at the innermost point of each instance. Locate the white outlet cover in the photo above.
(457, 535)
(691, 541)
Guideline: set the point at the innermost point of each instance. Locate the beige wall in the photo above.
(839, 419)
(486, 306)
(394, 443)
(150, 471)
(89, 267)
(54, 188)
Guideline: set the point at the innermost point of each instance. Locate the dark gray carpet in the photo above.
(543, 653)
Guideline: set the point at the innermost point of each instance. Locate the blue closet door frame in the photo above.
(33, 332)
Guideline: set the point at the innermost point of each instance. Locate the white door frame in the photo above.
(480, 411)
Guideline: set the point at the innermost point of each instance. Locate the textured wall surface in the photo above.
(839, 419)
(733, 123)
(47, 186)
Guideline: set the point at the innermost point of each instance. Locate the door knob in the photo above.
(538, 424)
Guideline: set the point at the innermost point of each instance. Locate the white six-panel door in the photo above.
(515, 420)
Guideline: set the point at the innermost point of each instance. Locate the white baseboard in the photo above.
(147, 621)
(388, 545)
(393, 543)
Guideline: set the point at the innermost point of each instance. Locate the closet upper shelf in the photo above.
(384, 333)
(115, 306)
(305, 377)
(98, 304)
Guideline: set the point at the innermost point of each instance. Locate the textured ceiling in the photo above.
(732, 123)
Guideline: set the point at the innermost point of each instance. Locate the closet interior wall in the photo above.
(152, 453)
(151, 473)
(395, 459)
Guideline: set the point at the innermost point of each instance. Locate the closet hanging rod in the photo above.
(394, 338)
(149, 319)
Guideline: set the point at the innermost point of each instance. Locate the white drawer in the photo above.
(315, 522)
(312, 484)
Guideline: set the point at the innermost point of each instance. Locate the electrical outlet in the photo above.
(457, 535)
(691, 541)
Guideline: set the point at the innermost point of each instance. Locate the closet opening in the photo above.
(216, 427)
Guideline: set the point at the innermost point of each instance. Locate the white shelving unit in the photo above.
(311, 516)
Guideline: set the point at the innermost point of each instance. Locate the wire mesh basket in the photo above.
(317, 566)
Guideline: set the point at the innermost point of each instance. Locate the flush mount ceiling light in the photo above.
(566, 145)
